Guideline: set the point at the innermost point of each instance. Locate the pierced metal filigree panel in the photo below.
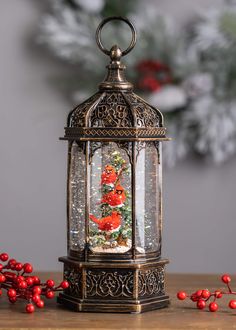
(151, 282)
(77, 117)
(105, 284)
(74, 277)
(112, 111)
(115, 109)
(146, 115)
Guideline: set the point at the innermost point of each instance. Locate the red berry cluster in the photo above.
(15, 278)
(201, 297)
(153, 75)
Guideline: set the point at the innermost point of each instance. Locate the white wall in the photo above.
(33, 164)
(199, 201)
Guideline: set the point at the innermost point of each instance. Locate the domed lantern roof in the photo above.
(115, 111)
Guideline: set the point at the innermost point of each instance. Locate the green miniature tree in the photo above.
(121, 235)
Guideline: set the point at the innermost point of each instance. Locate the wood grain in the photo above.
(179, 316)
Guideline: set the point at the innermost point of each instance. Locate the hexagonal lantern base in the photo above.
(114, 288)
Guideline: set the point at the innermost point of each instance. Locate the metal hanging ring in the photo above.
(105, 21)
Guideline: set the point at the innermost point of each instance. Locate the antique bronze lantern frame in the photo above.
(114, 282)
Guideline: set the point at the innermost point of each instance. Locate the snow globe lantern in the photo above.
(114, 201)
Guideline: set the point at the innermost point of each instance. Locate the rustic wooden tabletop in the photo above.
(180, 315)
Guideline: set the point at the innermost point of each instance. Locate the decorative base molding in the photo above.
(79, 305)
(115, 288)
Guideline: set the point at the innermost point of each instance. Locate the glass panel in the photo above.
(76, 191)
(147, 198)
(110, 199)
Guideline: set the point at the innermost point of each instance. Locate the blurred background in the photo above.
(183, 63)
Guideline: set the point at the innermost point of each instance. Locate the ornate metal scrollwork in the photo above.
(112, 111)
(146, 116)
(115, 109)
(151, 282)
(139, 146)
(142, 144)
(127, 146)
(77, 116)
(103, 284)
(74, 277)
(95, 145)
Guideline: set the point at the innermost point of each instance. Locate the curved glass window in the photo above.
(110, 221)
(148, 197)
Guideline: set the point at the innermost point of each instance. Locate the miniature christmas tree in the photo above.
(114, 227)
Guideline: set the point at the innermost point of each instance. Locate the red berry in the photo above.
(14, 277)
(2, 278)
(40, 303)
(0, 292)
(36, 279)
(29, 281)
(11, 293)
(4, 256)
(64, 285)
(213, 307)
(50, 294)
(1, 267)
(206, 293)
(218, 294)
(201, 304)
(29, 308)
(12, 263)
(198, 293)
(226, 278)
(10, 276)
(194, 298)
(232, 304)
(18, 266)
(37, 290)
(22, 285)
(28, 268)
(36, 298)
(50, 283)
(12, 300)
(181, 295)
(19, 279)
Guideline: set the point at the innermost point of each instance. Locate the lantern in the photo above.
(114, 202)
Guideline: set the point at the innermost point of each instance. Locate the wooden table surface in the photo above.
(180, 315)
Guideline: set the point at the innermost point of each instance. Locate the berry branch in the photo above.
(15, 279)
(201, 297)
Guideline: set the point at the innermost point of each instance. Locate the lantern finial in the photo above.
(115, 79)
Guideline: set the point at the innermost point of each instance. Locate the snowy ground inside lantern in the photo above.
(113, 249)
